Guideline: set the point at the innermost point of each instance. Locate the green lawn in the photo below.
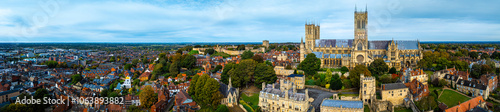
(402, 110)
(367, 109)
(431, 89)
(253, 100)
(451, 98)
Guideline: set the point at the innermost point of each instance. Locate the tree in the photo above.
(243, 73)
(148, 97)
(209, 51)
(16, 107)
(264, 73)
(217, 68)
(344, 69)
(495, 55)
(473, 55)
(258, 58)
(112, 59)
(41, 94)
(51, 64)
(310, 65)
(189, 61)
(135, 61)
(128, 66)
(76, 78)
(145, 60)
(199, 88)
(174, 68)
(476, 70)
(240, 47)
(247, 54)
(225, 76)
(378, 67)
(211, 96)
(335, 82)
(191, 88)
(355, 73)
(485, 69)
(485, 56)
(222, 108)
(392, 70)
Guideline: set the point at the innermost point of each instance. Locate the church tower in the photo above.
(360, 29)
(360, 43)
(312, 34)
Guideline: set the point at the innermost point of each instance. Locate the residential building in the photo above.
(394, 92)
(282, 72)
(272, 98)
(296, 81)
(418, 74)
(417, 89)
(474, 103)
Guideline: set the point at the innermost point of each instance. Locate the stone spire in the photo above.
(229, 86)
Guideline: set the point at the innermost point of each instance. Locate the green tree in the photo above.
(335, 82)
(473, 55)
(189, 61)
(192, 86)
(210, 97)
(310, 65)
(476, 70)
(199, 88)
(51, 64)
(147, 97)
(264, 73)
(217, 68)
(76, 78)
(485, 69)
(174, 68)
(392, 70)
(240, 47)
(222, 108)
(247, 54)
(145, 60)
(128, 66)
(378, 67)
(40, 94)
(134, 62)
(485, 56)
(209, 51)
(344, 69)
(112, 59)
(258, 58)
(225, 76)
(16, 107)
(355, 73)
(243, 73)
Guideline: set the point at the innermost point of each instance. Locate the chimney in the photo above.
(383, 87)
(263, 85)
(273, 86)
(307, 94)
(286, 94)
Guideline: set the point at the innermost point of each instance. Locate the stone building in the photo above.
(418, 74)
(359, 51)
(282, 72)
(272, 98)
(367, 89)
(293, 80)
(417, 89)
(230, 94)
(265, 43)
(394, 92)
(330, 105)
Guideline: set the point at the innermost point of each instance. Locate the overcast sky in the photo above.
(243, 20)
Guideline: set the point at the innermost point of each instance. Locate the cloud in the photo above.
(247, 20)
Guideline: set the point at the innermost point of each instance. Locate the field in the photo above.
(451, 98)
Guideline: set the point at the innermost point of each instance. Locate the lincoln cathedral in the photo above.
(360, 50)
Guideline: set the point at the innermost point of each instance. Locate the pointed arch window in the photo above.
(360, 46)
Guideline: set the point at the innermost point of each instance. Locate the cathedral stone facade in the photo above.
(359, 51)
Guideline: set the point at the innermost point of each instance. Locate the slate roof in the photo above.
(392, 86)
(406, 44)
(343, 103)
(334, 42)
(295, 75)
(223, 90)
(379, 44)
(471, 84)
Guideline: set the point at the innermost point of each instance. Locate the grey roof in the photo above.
(471, 84)
(392, 86)
(406, 44)
(223, 90)
(378, 44)
(334, 42)
(343, 103)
